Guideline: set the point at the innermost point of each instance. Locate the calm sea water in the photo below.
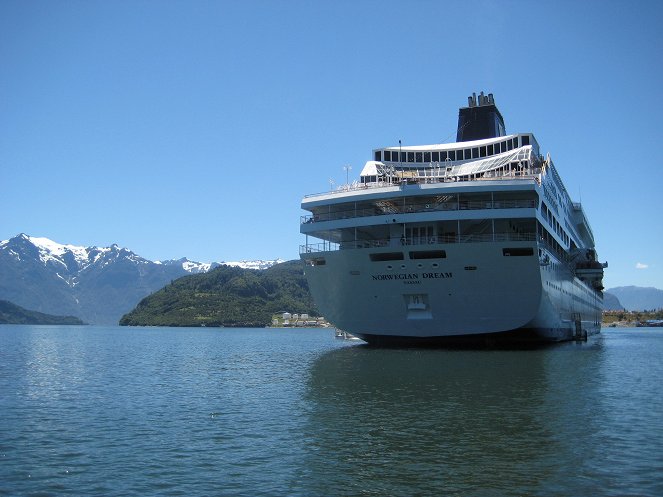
(156, 411)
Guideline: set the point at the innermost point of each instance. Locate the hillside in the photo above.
(14, 314)
(611, 303)
(226, 296)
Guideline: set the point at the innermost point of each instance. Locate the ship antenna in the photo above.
(452, 133)
(347, 170)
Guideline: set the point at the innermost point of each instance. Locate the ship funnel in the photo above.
(480, 119)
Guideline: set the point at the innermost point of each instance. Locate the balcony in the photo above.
(393, 208)
(328, 246)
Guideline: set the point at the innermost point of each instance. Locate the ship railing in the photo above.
(418, 208)
(561, 255)
(451, 238)
(318, 247)
(532, 173)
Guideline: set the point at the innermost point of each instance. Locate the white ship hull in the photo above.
(476, 240)
(475, 293)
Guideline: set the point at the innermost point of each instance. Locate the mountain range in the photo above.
(96, 284)
(637, 298)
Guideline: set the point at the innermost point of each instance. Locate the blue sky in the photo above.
(194, 128)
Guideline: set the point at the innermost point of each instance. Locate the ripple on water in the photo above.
(116, 411)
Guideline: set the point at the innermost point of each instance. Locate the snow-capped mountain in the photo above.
(189, 266)
(259, 264)
(203, 267)
(99, 285)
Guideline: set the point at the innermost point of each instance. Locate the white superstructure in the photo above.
(475, 240)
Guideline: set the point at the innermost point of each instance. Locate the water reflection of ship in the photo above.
(444, 421)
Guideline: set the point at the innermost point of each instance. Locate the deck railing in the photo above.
(424, 179)
(417, 208)
(405, 242)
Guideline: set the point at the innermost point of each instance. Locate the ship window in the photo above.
(452, 155)
(518, 252)
(525, 139)
(490, 150)
(515, 142)
(502, 146)
(426, 156)
(378, 155)
(428, 254)
(419, 156)
(387, 256)
(509, 144)
(436, 157)
(475, 152)
(387, 155)
(410, 156)
(443, 156)
(482, 151)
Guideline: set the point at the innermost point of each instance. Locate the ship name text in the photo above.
(412, 277)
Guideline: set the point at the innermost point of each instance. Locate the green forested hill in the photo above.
(14, 314)
(226, 296)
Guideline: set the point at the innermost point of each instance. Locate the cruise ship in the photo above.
(476, 241)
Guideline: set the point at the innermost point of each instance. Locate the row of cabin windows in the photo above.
(452, 155)
(551, 241)
(450, 231)
(552, 221)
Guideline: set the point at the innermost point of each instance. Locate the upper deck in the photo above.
(519, 161)
(428, 155)
(485, 178)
